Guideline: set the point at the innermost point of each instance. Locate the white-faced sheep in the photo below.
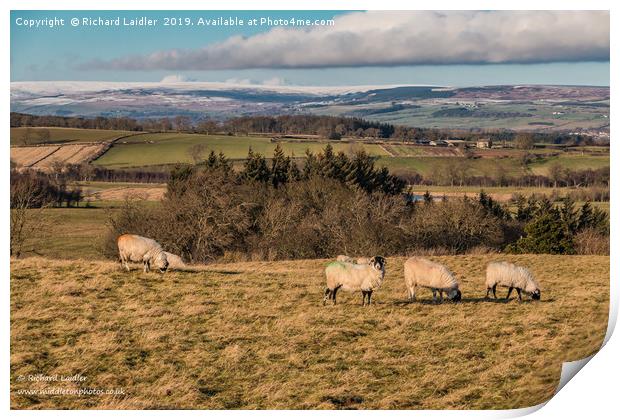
(174, 261)
(354, 278)
(135, 248)
(424, 273)
(512, 276)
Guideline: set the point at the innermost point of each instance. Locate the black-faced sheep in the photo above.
(424, 273)
(512, 276)
(354, 278)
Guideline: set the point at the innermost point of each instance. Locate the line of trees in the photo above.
(38, 189)
(459, 173)
(326, 126)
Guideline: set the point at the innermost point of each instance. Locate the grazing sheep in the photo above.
(346, 258)
(512, 276)
(424, 273)
(354, 278)
(136, 248)
(174, 261)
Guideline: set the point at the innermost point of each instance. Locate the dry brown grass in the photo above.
(255, 335)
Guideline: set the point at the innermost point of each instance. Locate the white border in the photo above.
(592, 394)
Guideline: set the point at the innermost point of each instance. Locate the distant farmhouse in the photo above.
(484, 144)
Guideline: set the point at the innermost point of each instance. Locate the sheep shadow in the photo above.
(504, 301)
(223, 272)
(406, 302)
(501, 301)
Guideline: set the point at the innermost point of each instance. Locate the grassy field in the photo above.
(255, 335)
(570, 161)
(158, 149)
(66, 135)
(477, 167)
(71, 232)
(153, 150)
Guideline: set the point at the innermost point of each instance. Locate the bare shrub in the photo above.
(591, 242)
(454, 224)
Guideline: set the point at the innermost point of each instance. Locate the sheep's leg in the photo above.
(327, 295)
(509, 292)
(364, 297)
(488, 291)
(494, 295)
(124, 263)
(412, 294)
(519, 292)
(369, 297)
(434, 295)
(334, 294)
(147, 266)
(441, 296)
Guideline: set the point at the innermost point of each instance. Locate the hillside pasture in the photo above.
(256, 335)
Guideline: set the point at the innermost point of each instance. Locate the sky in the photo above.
(458, 48)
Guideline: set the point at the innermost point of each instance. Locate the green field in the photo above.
(65, 135)
(71, 232)
(474, 167)
(161, 149)
(169, 148)
(570, 161)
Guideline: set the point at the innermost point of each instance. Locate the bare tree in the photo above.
(44, 135)
(524, 141)
(197, 151)
(26, 137)
(28, 218)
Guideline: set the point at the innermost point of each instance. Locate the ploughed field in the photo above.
(256, 335)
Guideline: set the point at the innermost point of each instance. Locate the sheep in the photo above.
(354, 277)
(137, 248)
(424, 273)
(174, 261)
(346, 258)
(512, 276)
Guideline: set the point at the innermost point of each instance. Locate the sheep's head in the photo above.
(536, 294)
(161, 262)
(456, 297)
(378, 263)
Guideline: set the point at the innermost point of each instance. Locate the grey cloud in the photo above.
(398, 38)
